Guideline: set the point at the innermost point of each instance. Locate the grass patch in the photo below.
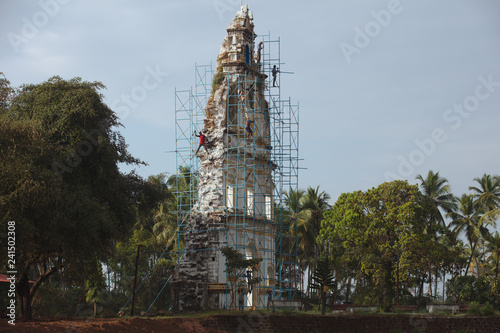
(219, 77)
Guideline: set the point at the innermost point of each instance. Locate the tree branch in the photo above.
(42, 278)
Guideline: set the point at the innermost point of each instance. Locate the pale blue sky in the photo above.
(383, 101)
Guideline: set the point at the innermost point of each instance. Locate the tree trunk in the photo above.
(421, 287)
(348, 290)
(436, 286)
(24, 296)
(325, 280)
(470, 259)
(444, 285)
(309, 277)
(25, 292)
(496, 269)
(135, 280)
(397, 283)
(430, 284)
(323, 301)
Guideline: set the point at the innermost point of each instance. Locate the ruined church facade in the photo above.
(235, 204)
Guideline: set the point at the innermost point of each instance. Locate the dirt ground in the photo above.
(171, 325)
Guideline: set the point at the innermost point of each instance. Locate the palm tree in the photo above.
(293, 200)
(147, 216)
(314, 204)
(466, 220)
(165, 222)
(299, 228)
(437, 190)
(493, 246)
(488, 193)
(184, 186)
(487, 200)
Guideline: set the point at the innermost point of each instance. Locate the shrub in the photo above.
(478, 310)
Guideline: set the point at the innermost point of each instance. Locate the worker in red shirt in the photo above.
(203, 140)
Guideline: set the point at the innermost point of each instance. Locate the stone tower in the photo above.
(235, 190)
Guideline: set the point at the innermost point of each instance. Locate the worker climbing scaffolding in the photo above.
(257, 53)
(203, 141)
(249, 131)
(275, 72)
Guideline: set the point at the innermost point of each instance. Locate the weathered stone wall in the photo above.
(190, 284)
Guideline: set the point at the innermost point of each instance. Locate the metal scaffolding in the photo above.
(259, 169)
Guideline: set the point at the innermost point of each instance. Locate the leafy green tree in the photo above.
(470, 289)
(29, 191)
(236, 268)
(383, 235)
(94, 285)
(61, 184)
(6, 93)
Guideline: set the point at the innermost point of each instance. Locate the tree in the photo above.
(183, 184)
(487, 198)
(488, 193)
(31, 196)
(293, 200)
(493, 246)
(6, 93)
(466, 220)
(94, 285)
(160, 220)
(236, 268)
(300, 228)
(383, 234)
(61, 184)
(470, 289)
(322, 280)
(313, 204)
(437, 190)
